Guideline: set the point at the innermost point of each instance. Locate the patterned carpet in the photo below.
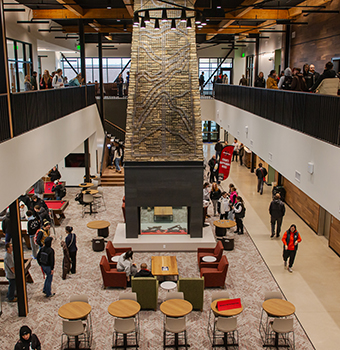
(248, 278)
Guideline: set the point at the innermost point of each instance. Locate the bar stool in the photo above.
(282, 328)
(100, 196)
(125, 326)
(174, 295)
(84, 298)
(88, 200)
(175, 326)
(227, 326)
(214, 296)
(74, 329)
(131, 296)
(264, 325)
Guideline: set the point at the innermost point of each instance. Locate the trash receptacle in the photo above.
(228, 242)
(98, 244)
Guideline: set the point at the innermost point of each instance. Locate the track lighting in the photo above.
(189, 23)
(135, 20)
(156, 24)
(198, 19)
(142, 24)
(173, 24)
(147, 17)
(164, 16)
(183, 16)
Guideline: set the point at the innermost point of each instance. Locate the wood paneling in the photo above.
(303, 205)
(334, 235)
(319, 41)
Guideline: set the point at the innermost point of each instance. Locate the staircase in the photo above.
(112, 178)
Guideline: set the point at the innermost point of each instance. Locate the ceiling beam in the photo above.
(72, 6)
(92, 28)
(118, 13)
(296, 11)
(129, 6)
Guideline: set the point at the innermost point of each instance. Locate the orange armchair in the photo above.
(215, 274)
(216, 252)
(111, 277)
(112, 251)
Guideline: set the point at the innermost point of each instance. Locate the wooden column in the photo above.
(15, 224)
(101, 83)
(257, 51)
(87, 160)
(253, 162)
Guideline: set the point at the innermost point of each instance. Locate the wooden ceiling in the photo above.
(236, 17)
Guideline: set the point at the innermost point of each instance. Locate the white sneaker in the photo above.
(290, 269)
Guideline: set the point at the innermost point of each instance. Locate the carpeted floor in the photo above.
(248, 278)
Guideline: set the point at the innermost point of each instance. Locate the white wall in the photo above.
(290, 151)
(47, 62)
(49, 145)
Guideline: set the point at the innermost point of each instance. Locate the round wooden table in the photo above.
(85, 184)
(278, 307)
(92, 177)
(221, 226)
(176, 307)
(101, 225)
(75, 310)
(225, 313)
(124, 308)
(90, 192)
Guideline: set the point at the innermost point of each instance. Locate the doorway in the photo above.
(250, 69)
(229, 73)
(210, 131)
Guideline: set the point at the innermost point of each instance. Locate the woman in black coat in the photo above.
(71, 242)
(27, 341)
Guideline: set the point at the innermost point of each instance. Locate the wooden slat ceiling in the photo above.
(236, 16)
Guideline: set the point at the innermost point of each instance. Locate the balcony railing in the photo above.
(313, 114)
(33, 109)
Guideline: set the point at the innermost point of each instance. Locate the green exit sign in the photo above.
(78, 47)
(243, 55)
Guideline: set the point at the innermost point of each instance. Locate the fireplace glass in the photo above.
(164, 220)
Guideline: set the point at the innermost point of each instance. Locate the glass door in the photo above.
(210, 131)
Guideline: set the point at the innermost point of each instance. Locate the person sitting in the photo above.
(144, 272)
(27, 340)
(54, 174)
(59, 190)
(125, 264)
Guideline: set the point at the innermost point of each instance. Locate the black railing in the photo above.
(37, 108)
(4, 119)
(313, 114)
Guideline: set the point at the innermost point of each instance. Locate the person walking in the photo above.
(261, 174)
(46, 261)
(240, 212)
(10, 273)
(213, 165)
(235, 151)
(33, 225)
(241, 153)
(71, 242)
(201, 82)
(27, 341)
(215, 195)
(291, 238)
(277, 211)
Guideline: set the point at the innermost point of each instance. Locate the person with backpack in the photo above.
(58, 81)
(71, 242)
(59, 190)
(33, 225)
(261, 174)
(42, 234)
(285, 82)
(291, 238)
(240, 212)
(46, 261)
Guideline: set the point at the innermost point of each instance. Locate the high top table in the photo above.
(222, 226)
(176, 308)
(225, 313)
(277, 308)
(75, 310)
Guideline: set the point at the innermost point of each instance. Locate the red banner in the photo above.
(225, 160)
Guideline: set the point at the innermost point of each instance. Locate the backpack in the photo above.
(287, 84)
(62, 192)
(43, 258)
(36, 237)
(242, 214)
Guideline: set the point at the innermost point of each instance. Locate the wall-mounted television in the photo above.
(75, 160)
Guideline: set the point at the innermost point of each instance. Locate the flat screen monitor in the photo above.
(75, 160)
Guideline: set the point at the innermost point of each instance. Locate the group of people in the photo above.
(307, 80)
(116, 155)
(218, 79)
(47, 81)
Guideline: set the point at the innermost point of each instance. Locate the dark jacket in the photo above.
(201, 79)
(308, 79)
(50, 254)
(299, 83)
(43, 85)
(261, 173)
(327, 73)
(71, 242)
(6, 224)
(39, 202)
(24, 198)
(32, 343)
(277, 209)
(42, 215)
(218, 147)
(33, 225)
(57, 189)
(66, 260)
(54, 175)
(41, 237)
(34, 83)
(215, 194)
(144, 273)
(260, 83)
(212, 163)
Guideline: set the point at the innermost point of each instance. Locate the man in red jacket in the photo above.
(291, 238)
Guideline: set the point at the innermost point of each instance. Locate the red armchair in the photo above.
(111, 277)
(112, 251)
(215, 274)
(216, 252)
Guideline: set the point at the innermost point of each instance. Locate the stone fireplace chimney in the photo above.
(164, 156)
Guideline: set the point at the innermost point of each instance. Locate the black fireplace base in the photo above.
(149, 184)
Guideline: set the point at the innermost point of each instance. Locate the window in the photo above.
(19, 63)
(111, 68)
(209, 65)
